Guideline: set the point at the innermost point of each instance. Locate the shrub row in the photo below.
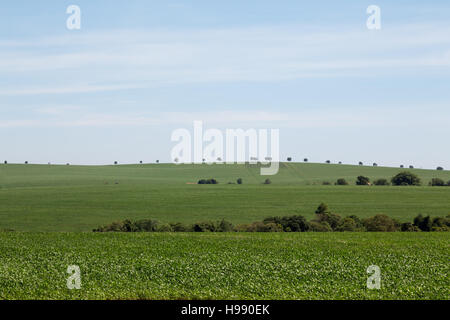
(402, 179)
(324, 221)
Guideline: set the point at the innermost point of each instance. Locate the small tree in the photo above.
(341, 182)
(406, 179)
(423, 223)
(239, 181)
(402, 166)
(328, 161)
(115, 162)
(322, 208)
(157, 161)
(360, 163)
(380, 223)
(375, 164)
(381, 182)
(439, 168)
(289, 159)
(437, 182)
(305, 160)
(267, 181)
(411, 167)
(362, 181)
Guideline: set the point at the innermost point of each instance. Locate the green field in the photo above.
(224, 266)
(80, 198)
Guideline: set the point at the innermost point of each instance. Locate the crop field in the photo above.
(224, 266)
(80, 198)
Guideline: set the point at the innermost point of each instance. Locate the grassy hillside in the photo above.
(79, 198)
(224, 266)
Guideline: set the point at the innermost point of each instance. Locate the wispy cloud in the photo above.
(127, 59)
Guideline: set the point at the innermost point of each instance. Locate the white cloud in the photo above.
(126, 59)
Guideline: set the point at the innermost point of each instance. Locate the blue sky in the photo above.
(117, 88)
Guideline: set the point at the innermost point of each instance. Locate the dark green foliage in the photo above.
(180, 227)
(289, 223)
(239, 181)
(208, 181)
(341, 182)
(381, 182)
(326, 183)
(423, 223)
(225, 226)
(325, 221)
(206, 226)
(362, 181)
(440, 168)
(315, 226)
(259, 227)
(380, 223)
(267, 181)
(409, 227)
(437, 182)
(350, 224)
(322, 208)
(406, 178)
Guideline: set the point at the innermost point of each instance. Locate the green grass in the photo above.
(80, 198)
(224, 266)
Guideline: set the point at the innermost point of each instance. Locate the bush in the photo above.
(319, 226)
(209, 181)
(406, 179)
(437, 182)
(146, 225)
(349, 224)
(341, 182)
(322, 208)
(259, 227)
(409, 227)
(439, 168)
(381, 182)
(289, 159)
(305, 160)
(328, 161)
(267, 181)
(362, 181)
(380, 223)
(180, 227)
(423, 223)
(239, 181)
(207, 226)
(289, 223)
(225, 226)
(326, 183)
(164, 228)
(324, 215)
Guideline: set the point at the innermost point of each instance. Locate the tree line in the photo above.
(324, 221)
